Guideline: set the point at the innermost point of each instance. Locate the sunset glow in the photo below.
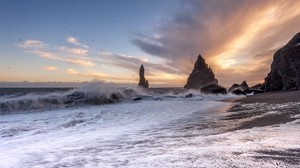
(238, 42)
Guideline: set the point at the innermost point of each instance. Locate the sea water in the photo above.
(164, 128)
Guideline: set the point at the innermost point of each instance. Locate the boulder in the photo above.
(238, 92)
(214, 89)
(137, 99)
(189, 96)
(240, 89)
(285, 68)
(143, 82)
(244, 86)
(233, 87)
(259, 88)
(202, 75)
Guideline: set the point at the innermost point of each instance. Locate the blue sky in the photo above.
(103, 26)
(83, 40)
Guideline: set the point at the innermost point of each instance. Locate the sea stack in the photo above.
(143, 82)
(201, 76)
(285, 68)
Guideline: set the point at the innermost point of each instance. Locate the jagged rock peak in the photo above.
(244, 85)
(200, 64)
(201, 76)
(285, 68)
(143, 82)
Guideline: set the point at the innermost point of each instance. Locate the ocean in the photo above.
(100, 126)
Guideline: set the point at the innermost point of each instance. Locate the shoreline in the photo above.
(278, 97)
(269, 110)
(266, 109)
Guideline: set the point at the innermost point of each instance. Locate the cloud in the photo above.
(96, 75)
(76, 51)
(230, 34)
(60, 53)
(32, 44)
(74, 41)
(119, 68)
(50, 68)
(133, 63)
(72, 71)
(69, 59)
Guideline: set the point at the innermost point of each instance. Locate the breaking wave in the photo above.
(42, 99)
(33, 100)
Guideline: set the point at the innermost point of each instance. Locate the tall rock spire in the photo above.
(143, 82)
(201, 76)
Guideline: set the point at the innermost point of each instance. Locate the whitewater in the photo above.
(107, 128)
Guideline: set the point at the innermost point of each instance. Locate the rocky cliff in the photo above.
(143, 82)
(285, 68)
(201, 76)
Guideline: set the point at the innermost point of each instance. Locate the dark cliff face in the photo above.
(285, 68)
(143, 82)
(201, 76)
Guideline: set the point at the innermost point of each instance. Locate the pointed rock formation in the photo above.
(240, 89)
(285, 68)
(201, 76)
(143, 82)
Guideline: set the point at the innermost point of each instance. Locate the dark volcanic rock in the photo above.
(143, 82)
(259, 88)
(214, 88)
(240, 89)
(238, 92)
(202, 75)
(244, 86)
(285, 68)
(189, 96)
(137, 99)
(233, 87)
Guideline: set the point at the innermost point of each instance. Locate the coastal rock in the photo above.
(233, 87)
(259, 88)
(202, 75)
(285, 68)
(137, 99)
(238, 92)
(143, 82)
(214, 89)
(189, 96)
(240, 89)
(244, 86)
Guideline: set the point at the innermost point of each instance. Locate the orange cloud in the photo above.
(54, 56)
(50, 68)
(32, 44)
(230, 34)
(75, 51)
(72, 71)
(74, 41)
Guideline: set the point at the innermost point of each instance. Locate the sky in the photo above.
(73, 41)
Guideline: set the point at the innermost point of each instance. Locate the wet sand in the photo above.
(273, 97)
(265, 109)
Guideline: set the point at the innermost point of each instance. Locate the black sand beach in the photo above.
(273, 97)
(267, 109)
